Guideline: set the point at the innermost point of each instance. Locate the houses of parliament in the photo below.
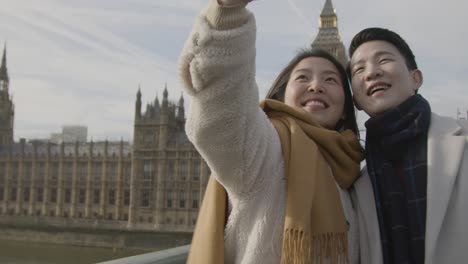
(154, 183)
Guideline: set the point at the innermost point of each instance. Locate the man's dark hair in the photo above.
(371, 34)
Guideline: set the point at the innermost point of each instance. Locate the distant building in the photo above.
(70, 134)
(156, 182)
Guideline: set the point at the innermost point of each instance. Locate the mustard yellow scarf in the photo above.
(315, 227)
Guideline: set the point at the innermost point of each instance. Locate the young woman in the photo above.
(281, 171)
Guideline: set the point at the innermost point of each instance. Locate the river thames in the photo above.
(16, 252)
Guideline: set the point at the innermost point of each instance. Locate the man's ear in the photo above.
(358, 107)
(417, 78)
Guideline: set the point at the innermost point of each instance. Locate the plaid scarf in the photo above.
(396, 151)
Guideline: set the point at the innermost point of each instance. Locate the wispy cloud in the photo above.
(82, 61)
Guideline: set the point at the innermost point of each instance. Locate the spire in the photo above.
(165, 94)
(180, 108)
(138, 103)
(328, 37)
(328, 9)
(156, 105)
(3, 67)
(139, 93)
(4, 79)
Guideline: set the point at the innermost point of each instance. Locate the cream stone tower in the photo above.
(328, 37)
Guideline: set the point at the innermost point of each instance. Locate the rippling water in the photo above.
(15, 252)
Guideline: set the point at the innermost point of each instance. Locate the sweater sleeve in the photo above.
(225, 123)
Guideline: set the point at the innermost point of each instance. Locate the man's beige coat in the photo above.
(447, 198)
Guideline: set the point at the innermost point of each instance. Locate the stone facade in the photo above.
(155, 183)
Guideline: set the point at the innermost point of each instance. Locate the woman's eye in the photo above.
(331, 80)
(301, 77)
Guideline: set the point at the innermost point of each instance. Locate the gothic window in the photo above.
(27, 170)
(67, 195)
(82, 196)
(14, 170)
(54, 171)
(170, 168)
(13, 194)
(127, 172)
(148, 138)
(97, 170)
(68, 170)
(127, 197)
(183, 169)
(82, 171)
(196, 170)
(169, 199)
(26, 194)
(147, 170)
(113, 170)
(40, 170)
(39, 194)
(145, 197)
(111, 197)
(195, 197)
(181, 199)
(53, 195)
(96, 196)
(1, 193)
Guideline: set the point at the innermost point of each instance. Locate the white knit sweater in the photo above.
(236, 138)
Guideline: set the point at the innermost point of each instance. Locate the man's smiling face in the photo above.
(380, 77)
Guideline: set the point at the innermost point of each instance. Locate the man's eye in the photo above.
(385, 60)
(358, 70)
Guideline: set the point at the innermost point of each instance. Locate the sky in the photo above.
(81, 62)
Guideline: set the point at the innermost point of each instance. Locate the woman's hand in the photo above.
(233, 2)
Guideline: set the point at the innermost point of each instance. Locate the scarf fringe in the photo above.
(302, 248)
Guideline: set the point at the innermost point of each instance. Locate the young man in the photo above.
(413, 193)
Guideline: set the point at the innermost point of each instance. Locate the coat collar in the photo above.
(445, 149)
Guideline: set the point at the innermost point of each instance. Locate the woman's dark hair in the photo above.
(278, 87)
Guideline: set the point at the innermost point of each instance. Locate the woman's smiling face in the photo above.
(315, 85)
